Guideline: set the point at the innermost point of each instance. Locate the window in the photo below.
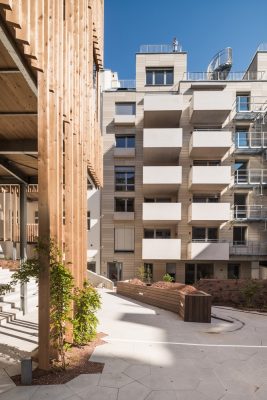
(125, 108)
(233, 271)
(125, 142)
(206, 163)
(88, 220)
(124, 204)
(194, 272)
(157, 200)
(159, 76)
(204, 234)
(124, 239)
(242, 102)
(205, 199)
(148, 271)
(240, 205)
(124, 179)
(171, 270)
(241, 173)
(91, 266)
(157, 233)
(36, 217)
(241, 137)
(239, 235)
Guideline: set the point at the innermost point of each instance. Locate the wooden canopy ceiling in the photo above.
(18, 115)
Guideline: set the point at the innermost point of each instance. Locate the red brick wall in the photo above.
(10, 264)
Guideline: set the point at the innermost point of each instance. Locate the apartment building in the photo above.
(185, 169)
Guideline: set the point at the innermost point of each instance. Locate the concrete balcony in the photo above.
(218, 142)
(124, 120)
(208, 251)
(162, 143)
(210, 106)
(162, 110)
(124, 152)
(161, 249)
(209, 177)
(163, 179)
(162, 212)
(209, 214)
(123, 216)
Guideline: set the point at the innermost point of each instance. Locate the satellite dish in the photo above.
(220, 65)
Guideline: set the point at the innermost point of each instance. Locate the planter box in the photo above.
(195, 307)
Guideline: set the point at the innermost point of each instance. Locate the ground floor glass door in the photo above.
(115, 271)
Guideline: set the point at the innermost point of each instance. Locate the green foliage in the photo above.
(141, 273)
(250, 291)
(86, 302)
(5, 288)
(61, 288)
(62, 295)
(168, 278)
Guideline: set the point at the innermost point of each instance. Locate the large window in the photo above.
(125, 141)
(171, 270)
(242, 102)
(241, 172)
(206, 163)
(157, 200)
(233, 271)
(124, 179)
(203, 198)
(240, 235)
(124, 239)
(204, 234)
(124, 204)
(194, 272)
(157, 233)
(159, 76)
(125, 108)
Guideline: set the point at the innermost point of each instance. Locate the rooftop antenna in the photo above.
(175, 44)
(220, 65)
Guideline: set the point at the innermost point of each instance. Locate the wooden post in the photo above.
(23, 243)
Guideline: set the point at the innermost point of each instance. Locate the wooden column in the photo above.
(23, 242)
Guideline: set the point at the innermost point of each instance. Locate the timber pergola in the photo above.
(49, 124)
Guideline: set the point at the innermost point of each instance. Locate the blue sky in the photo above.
(202, 26)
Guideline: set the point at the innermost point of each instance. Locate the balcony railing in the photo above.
(250, 177)
(250, 140)
(220, 76)
(249, 212)
(247, 104)
(262, 47)
(127, 84)
(248, 248)
(160, 48)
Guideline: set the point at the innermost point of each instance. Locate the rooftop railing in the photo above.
(262, 47)
(160, 48)
(127, 84)
(221, 76)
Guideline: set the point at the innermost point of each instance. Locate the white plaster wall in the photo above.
(93, 235)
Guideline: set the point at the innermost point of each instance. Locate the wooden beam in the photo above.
(7, 165)
(22, 146)
(9, 71)
(11, 180)
(14, 53)
(18, 113)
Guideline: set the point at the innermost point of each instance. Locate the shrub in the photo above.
(250, 292)
(86, 302)
(168, 278)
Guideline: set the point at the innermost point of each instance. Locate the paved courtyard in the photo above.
(152, 355)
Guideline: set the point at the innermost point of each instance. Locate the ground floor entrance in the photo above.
(115, 271)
